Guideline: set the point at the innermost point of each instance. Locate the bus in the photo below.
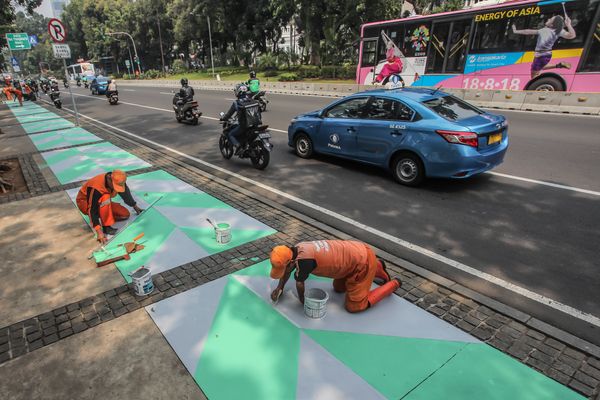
(82, 69)
(551, 45)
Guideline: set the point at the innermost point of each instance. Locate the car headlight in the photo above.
(293, 121)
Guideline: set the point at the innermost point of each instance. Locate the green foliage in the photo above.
(288, 77)
(270, 73)
(309, 71)
(151, 74)
(178, 67)
(267, 61)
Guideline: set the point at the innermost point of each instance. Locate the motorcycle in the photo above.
(185, 111)
(66, 84)
(255, 145)
(78, 83)
(86, 84)
(55, 97)
(261, 100)
(113, 98)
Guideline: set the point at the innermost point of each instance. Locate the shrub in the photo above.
(329, 72)
(179, 67)
(270, 73)
(267, 61)
(151, 74)
(288, 77)
(308, 71)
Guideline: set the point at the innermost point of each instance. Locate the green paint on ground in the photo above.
(205, 237)
(482, 372)
(263, 268)
(392, 365)
(251, 352)
(36, 117)
(78, 172)
(40, 126)
(61, 155)
(154, 175)
(189, 200)
(62, 138)
(156, 229)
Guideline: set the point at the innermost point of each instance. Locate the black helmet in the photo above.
(240, 90)
(184, 81)
(252, 74)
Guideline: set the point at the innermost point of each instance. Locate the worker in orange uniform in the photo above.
(352, 265)
(10, 89)
(95, 200)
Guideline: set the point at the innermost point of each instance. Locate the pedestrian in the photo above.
(351, 264)
(94, 199)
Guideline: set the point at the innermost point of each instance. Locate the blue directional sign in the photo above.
(33, 40)
(14, 62)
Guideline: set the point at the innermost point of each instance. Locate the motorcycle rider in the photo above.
(112, 87)
(188, 90)
(78, 80)
(248, 116)
(253, 83)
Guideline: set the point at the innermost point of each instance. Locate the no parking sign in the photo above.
(57, 30)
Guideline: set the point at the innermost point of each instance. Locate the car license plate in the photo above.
(494, 138)
(264, 135)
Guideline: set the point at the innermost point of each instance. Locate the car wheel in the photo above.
(547, 84)
(303, 146)
(408, 169)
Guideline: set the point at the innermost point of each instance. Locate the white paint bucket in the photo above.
(223, 233)
(142, 281)
(315, 303)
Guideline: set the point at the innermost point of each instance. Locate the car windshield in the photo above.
(452, 108)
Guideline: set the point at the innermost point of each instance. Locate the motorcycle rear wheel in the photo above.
(260, 157)
(225, 147)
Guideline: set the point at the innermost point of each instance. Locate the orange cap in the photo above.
(280, 258)
(118, 180)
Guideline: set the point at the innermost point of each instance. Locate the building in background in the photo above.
(57, 7)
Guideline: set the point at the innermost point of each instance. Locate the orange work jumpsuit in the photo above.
(352, 265)
(109, 212)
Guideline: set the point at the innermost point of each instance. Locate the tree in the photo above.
(7, 10)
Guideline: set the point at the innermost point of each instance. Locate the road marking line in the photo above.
(165, 93)
(554, 185)
(581, 315)
(129, 90)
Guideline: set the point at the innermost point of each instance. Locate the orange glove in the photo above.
(100, 235)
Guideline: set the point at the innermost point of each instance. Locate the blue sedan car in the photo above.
(414, 133)
(99, 85)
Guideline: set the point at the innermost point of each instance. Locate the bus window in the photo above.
(592, 60)
(437, 48)
(491, 37)
(416, 39)
(369, 53)
(457, 48)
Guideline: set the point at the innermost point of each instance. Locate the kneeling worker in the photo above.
(352, 265)
(95, 200)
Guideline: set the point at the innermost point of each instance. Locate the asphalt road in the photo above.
(542, 238)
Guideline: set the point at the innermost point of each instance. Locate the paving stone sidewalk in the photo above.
(53, 324)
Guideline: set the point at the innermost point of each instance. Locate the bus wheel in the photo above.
(547, 84)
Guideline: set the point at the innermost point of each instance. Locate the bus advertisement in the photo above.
(549, 45)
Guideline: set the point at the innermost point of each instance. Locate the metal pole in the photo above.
(130, 60)
(212, 60)
(162, 56)
(71, 93)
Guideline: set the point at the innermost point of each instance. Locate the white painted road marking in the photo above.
(507, 176)
(573, 312)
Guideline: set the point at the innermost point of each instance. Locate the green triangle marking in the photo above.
(154, 175)
(156, 229)
(190, 200)
(60, 155)
(58, 142)
(76, 172)
(205, 237)
(481, 372)
(263, 268)
(392, 365)
(54, 124)
(251, 351)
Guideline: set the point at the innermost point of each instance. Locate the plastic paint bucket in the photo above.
(223, 233)
(142, 281)
(315, 303)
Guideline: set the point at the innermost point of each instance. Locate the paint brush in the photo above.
(212, 223)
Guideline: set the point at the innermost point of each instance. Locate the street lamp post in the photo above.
(162, 56)
(137, 59)
(212, 60)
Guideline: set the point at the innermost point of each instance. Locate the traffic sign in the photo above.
(61, 50)
(57, 30)
(18, 41)
(33, 40)
(127, 63)
(15, 64)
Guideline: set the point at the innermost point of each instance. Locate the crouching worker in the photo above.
(95, 200)
(352, 265)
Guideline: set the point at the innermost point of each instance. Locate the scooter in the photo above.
(55, 97)
(66, 84)
(260, 97)
(78, 83)
(255, 145)
(86, 84)
(113, 98)
(185, 111)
